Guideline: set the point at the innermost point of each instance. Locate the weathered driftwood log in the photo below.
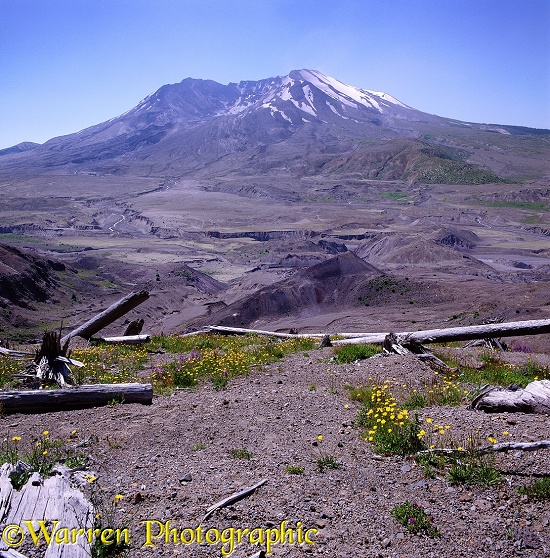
(81, 397)
(404, 345)
(49, 500)
(108, 316)
(226, 330)
(13, 353)
(51, 363)
(508, 329)
(233, 498)
(127, 339)
(500, 447)
(535, 398)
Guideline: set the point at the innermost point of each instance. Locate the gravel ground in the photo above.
(151, 455)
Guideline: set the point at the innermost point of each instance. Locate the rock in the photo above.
(186, 478)
(386, 542)
(406, 468)
(138, 498)
(483, 505)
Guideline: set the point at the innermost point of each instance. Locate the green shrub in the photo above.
(413, 517)
(538, 490)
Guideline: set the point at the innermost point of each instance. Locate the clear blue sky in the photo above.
(69, 64)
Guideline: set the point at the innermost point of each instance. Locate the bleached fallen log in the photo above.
(108, 316)
(534, 398)
(125, 339)
(499, 447)
(517, 446)
(507, 329)
(51, 499)
(13, 353)
(225, 330)
(81, 397)
(394, 344)
(233, 498)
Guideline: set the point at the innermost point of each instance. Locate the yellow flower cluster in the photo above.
(383, 412)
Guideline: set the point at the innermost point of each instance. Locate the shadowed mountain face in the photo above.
(305, 123)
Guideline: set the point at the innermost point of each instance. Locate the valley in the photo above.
(253, 185)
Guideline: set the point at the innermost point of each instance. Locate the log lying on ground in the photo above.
(395, 344)
(500, 447)
(46, 499)
(507, 329)
(233, 498)
(81, 397)
(108, 316)
(125, 339)
(535, 398)
(15, 354)
(225, 330)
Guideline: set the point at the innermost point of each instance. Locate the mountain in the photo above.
(19, 148)
(305, 123)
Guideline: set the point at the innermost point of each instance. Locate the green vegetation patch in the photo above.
(538, 490)
(396, 196)
(495, 372)
(513, 204)
(441, 171)
(350, 353)
(414, 518)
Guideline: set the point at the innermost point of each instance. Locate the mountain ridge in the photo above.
(302, 123)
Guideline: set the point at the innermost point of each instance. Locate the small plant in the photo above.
(43, 454)
(240, 454)
(107, 517)
(116, 400)
(197, 447)
(415, 401)
(476, 469)
(414, 518)
(432, 463)
(538, 490)
(387, 426)
(312, 387)
(350, 353)
(294, 470)
(327, 462)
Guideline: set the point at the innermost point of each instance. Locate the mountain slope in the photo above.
(305, 123)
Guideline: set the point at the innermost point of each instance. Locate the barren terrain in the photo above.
(171, 461)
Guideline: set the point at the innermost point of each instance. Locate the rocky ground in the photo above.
(172, 461)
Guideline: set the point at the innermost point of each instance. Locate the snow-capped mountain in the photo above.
(305, 122)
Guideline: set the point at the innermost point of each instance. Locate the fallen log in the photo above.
(500, 447)
(507, 329)
(124, 339)
(81, 397)
(535, 398)
(233, 498)
(108, 316)
(395, 344)
(46, 499)
(225, 330)
(13, 353)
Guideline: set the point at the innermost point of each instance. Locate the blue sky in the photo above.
(69, 64)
